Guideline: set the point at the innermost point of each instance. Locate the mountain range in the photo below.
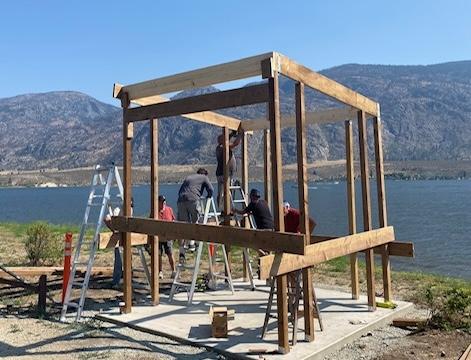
(426, 111)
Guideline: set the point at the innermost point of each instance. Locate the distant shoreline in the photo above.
(333, 170)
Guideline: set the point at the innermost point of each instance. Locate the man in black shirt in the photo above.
(260, 211)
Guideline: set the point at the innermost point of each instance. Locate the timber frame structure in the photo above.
(291, 251)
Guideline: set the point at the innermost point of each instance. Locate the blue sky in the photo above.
(89, 45)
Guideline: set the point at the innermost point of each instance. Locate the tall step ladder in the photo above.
(239, 201)
(102, 199)
(209, 214)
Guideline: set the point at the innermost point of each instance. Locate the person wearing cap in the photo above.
(189, 194)
(232, 165)
(166, 214)
(259, 209)
(293, 219)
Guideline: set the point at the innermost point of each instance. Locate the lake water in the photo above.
(434, 215)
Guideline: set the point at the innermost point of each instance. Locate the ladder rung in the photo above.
(221, 276)
(181, 284)
(80, 263)
(72, 304)
(233, 187)
(95, 204)
(77, 283)
(186, 267)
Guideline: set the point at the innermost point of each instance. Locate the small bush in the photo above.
(42, 246)
(450, 307)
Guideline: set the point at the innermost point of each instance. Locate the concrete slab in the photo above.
(344, 319)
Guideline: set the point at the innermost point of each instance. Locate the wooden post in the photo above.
(227, 191)
(245, 188)
(365, 192)
(267, 167)
(352, 221)
(382, 211)
(303, 197)
(276, 163)
(42, 294)
(126, 236)
(154, 204)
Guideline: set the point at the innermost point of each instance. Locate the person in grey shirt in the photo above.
(189, 194)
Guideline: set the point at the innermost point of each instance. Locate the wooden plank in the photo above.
(235, 70)
(325, 85)
(352, 221)
(33, 271)
(275, 143)
(227, 191)
(467, 354)
(273, 265)
(397, 248)
(405, 323)
(237, 236)
(154, 208)
(382, 210)
(207, 117)
(109, 240)
(42, 294)
(308, 302)
(303, 195)
(365, 194)
(312, 117)
(267, 183)
(127, 252)
(247, 95)
(282, 308)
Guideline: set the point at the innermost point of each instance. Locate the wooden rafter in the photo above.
(312, 117)
(274, 265)
(219, 100)
(255, 239)
(216, 74)
(208, 117)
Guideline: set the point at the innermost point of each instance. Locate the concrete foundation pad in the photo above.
(344, 320)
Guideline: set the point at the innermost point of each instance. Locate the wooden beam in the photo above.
(397, 248)
(127, 252)
(245, 188)
(365, 194)
(267, 167)
(235, 70)
(226, 159)
(278, 264)
(352, 221)
(308, 303)
(325, 85)
(254, 239)
(382, 212)
(30, 271)
(312, 117)
(109, 240)
(247, 95)
(282, 306)
(154, 208)
(275, 143)
(207, 117)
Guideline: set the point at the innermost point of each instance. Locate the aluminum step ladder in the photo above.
(209, 214)
(106, 193)
(239, 201)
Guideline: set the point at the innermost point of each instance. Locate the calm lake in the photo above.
(435, 215)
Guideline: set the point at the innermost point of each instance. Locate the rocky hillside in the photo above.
(426, 112)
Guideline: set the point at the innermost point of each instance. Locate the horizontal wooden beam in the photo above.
(255, 239)
(109, 240)
(235, 70)
(324, 85)
(398, 248)
(219, 100)
(312, 117)
(208, 117)
(25, 271)
(274, 265)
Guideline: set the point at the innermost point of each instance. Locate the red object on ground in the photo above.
(67, 256)
(212, 247)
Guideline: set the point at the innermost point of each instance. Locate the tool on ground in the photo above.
(106, 193)
(209, 214)
(294, 296)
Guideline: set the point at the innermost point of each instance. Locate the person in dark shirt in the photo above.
(189, 194)
(220, 160)
(293, 218)
(259, 209)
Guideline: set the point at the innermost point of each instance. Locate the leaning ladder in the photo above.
(100, 196)
(239, 198)
(209, 213)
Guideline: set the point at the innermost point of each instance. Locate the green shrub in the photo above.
(450, 307)
(42, 246)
